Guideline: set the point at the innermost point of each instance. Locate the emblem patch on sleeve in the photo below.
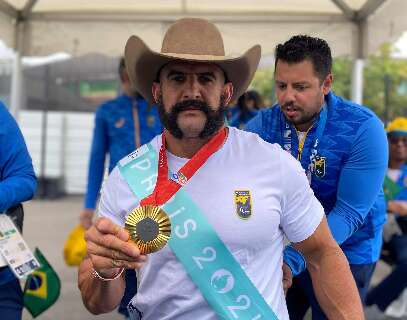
(243, 201)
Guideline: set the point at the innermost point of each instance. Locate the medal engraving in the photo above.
(149, 227)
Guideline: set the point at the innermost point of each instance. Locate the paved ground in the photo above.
(47, 224)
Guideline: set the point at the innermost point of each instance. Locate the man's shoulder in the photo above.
(253, 142)
(3, 108)
(4, 113)
(154, 143)
(8, 124)
(270, 112)
(349, 119)
(350, 111)
(265, 122)
(113, 104)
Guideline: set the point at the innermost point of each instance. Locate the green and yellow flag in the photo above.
(391, 189)
(42, 287)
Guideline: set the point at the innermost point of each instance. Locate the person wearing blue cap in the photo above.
(395, 233)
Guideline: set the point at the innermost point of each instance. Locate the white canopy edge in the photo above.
(78, 34)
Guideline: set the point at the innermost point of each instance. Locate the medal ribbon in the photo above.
(165, 188)
(198, 247)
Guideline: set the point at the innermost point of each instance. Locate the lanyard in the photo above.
(165, 188)
(287, 136)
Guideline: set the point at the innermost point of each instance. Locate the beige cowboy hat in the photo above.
(188, 39)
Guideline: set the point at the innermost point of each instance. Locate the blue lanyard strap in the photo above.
(288, 133)
(208, 262)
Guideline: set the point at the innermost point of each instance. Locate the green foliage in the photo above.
(263, 83)
(342, 71)
(379, 69)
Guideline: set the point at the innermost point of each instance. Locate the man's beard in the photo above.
(215, 119)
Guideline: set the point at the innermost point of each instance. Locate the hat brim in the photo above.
(397, 133)
(143, 65)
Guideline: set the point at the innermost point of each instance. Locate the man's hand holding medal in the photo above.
(110, 250)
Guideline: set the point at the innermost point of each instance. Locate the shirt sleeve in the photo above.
(97, 158)
(301, 211)
(17, 178)
(360, 180)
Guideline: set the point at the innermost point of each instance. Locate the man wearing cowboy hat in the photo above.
(196, 184)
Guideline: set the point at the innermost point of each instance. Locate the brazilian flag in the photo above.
(391, 189)
(42, 287)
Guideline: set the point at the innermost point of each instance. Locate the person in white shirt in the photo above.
(249, 193)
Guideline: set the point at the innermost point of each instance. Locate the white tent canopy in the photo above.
(352, 27)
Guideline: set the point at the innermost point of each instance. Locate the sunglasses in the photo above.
(396, 140)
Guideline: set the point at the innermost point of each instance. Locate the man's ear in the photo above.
(227, 92)
(327, 84)
(156, 91)
(125, 77)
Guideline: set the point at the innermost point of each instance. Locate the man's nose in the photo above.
(192, 89)
(289, 95)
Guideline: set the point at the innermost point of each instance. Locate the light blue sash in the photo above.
(211, 266)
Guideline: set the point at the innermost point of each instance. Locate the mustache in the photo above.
(191, 104)
(290, 105)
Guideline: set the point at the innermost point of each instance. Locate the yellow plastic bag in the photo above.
(75, 247)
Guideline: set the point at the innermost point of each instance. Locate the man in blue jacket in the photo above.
(17, 184)
(121, 126)
(342, 147)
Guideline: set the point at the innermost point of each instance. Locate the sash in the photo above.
(208, 262)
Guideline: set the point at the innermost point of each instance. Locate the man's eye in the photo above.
(281, 86)
(300, 87)
(205, 79)
(178, 78)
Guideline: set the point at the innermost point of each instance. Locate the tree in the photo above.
(379, 69)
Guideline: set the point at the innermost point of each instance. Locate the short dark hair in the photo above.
(122, 68)
(303, 47)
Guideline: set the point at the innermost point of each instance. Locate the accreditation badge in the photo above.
(14, 250)
(149, 227)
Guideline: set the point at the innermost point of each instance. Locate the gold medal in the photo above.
(149, 227)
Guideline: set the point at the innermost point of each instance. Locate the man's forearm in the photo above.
(99, 296)
(338, 296)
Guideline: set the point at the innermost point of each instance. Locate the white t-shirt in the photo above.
(282, 203)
